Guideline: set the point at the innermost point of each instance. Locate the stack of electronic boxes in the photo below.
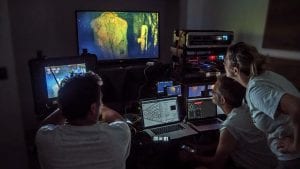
(199, 54)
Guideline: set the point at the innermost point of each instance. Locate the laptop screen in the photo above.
(201, 108)
(159, 111)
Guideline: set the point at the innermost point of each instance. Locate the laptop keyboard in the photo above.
(167, 129)
(207, 121)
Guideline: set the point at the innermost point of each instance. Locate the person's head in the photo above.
(228, 92)
(242, 58)
(80, 97)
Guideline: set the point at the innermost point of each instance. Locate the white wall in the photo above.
(12, 150)
(246, 18)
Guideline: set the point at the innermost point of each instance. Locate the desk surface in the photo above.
(147, 154)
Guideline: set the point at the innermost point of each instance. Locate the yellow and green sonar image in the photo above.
(118, 35)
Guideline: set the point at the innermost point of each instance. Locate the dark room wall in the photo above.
(50, 26)
(246, 18)
(12, 150)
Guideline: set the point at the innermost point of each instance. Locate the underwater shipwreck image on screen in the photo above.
(118, 35)
(55, 74)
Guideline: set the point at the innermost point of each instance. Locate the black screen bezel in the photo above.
(39, 86)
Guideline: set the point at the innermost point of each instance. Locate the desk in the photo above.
(146, 154)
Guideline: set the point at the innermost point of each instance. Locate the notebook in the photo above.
(202, 114)
(161, 118)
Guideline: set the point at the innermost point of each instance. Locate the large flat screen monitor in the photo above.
(118, 36)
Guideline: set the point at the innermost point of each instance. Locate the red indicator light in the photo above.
(212, 58)
(198, 102)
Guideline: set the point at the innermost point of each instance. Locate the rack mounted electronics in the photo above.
(200, 53)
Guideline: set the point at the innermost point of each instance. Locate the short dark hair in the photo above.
(231, 90)
(246, 58)
(78, 93)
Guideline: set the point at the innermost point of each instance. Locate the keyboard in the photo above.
(167, 129)
(205, 122)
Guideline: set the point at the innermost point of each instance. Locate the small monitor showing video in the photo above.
(173, 90)
(55, 74)
(161, 85)
(196, 91)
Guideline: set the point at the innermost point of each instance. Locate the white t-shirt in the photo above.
(252, 151)
(96, 146)
(263, 95)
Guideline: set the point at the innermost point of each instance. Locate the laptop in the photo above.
(161, 118)
(202, 114)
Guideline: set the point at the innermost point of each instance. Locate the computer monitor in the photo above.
(47, 74)
(119, 36)
(159, 111)
(196, 90)
(161, 85)
(173, 90)
(55, 74)
(200, 108)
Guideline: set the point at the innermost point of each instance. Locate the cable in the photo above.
(54, 77)
(177, 46)
(131, 126)
(143, 85)
(145, 72)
